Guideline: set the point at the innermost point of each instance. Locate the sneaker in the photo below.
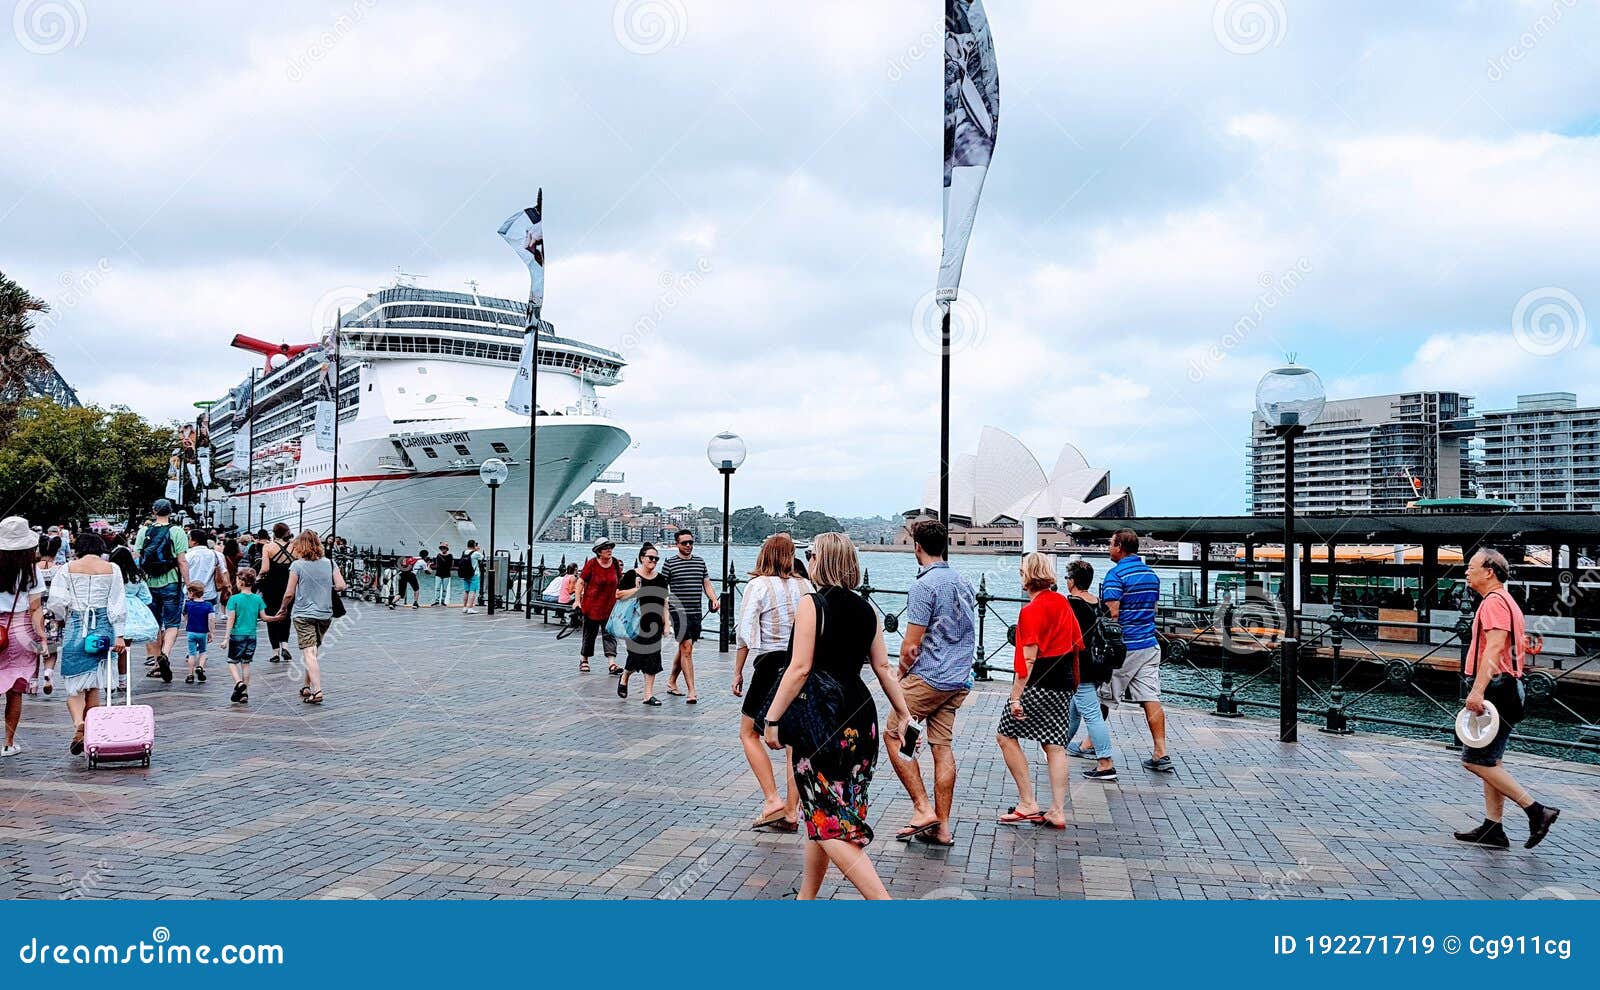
(1163, 765)
(1098, 774)
(200, 674)
(48, 685)
(1491, 834)
(238, 691)
(415, 605)
(1540, 819)
(11, 750)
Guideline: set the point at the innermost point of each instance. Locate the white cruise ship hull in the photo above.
(385, 504)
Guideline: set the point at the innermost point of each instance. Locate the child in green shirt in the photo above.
(244, 608)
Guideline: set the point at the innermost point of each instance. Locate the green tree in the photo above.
(21, 361)
(61, 464)
(809, 523)
(751, 525)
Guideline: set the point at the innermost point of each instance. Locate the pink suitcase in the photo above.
(119, 732)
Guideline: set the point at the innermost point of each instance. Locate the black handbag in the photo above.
(815, 716)
(338, 601)
(1504, 691)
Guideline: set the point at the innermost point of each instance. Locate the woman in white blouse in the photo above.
(87, 597)
(765, 625)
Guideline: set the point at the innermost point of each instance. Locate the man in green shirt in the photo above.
(159, 548)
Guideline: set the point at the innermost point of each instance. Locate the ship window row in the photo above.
(408, 344)
(517, 318)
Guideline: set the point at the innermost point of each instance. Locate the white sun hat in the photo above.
(16, 534)
(1476, 730)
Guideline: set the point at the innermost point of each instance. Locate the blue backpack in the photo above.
(159, 556)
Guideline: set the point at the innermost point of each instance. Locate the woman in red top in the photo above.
(595, 595)
(1048, 643)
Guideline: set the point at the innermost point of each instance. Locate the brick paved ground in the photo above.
(465, 757)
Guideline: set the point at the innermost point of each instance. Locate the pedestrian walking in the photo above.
(689, 580)
(594, 596)
(646, 584)
(1048, 645)
(199, 625)
(141, 627)
(244, 609)
(45, 573)
(834, 727)
(162, 548)
(272, 582)
(1494, 664)
(765, 625)
(313, 581)
(1130, 591)
(470, 568)
(935, 669)
(88, 598)
(444, 565)
(1093, 674)
(411, 571)
(21, 597)
(207, 567)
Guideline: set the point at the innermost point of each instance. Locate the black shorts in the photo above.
(686, 627)
(1492, 754)
(765, 677)
(409, 580)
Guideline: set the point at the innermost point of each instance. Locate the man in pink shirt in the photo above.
(1496, 647)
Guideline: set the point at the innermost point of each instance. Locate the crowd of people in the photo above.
(77, 605)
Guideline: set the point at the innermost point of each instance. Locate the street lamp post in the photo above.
(301, 493)
(492, 472)
(1289, 400)
(726, 453)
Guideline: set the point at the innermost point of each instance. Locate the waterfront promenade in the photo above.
(464, 757)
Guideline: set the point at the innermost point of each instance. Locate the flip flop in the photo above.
(676, 694)
(768, 821)
(933, 840)
(1047, 823)
(1015, 817)
(913, 831)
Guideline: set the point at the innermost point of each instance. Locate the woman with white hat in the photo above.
(23, 622)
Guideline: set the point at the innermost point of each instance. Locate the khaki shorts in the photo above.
(936, 709)
(309, 632)
(1138, 680)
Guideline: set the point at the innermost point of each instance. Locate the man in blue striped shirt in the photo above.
(1130, 591)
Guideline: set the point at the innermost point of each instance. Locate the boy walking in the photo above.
(200, 618)
(244, 609)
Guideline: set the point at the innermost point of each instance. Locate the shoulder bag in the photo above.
(1504, 690)
(816, 715)
(333, 591)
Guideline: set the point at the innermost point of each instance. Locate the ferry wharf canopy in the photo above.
(1568, 535)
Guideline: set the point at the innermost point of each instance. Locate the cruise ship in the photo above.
(424, 378)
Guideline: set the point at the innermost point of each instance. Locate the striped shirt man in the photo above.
(686, 583)
(1137, 587)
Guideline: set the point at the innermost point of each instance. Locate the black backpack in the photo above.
(158, 556)
(1106, 643)
(464, 566)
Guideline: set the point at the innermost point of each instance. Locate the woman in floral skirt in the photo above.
(836, 633)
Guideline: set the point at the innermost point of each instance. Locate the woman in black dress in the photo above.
(646, 583)
(275, 561)
(836, 633)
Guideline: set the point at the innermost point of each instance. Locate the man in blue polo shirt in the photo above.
(935, 671)
(1130, 591)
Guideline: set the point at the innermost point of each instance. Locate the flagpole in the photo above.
(533, 451)
(944, 419)
(333, 523)
(250, 454)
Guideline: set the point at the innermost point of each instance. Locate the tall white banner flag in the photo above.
(971, 122)
(327, 402)
(524, 231)
(243, 412)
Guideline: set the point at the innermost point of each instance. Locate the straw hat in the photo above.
(1477, 730)
(16, 534)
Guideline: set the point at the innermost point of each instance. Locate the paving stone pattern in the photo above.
(465, 757)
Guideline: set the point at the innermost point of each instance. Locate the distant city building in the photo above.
(1544, 455)
(616, 529)
(1362, 455)
(707, 532)
(993, 491)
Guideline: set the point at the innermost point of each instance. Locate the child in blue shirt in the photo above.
(199, 616)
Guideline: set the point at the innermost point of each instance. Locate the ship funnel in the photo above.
(270, 351)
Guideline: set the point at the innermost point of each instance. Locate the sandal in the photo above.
(613, 670)
(1015, 817)
(314, 698)
(76, 749)
(1047, 823)
(189, 679)
(912, 831)
(933, 840)
(583, 666)
(622, 687)
(772, 820)
(305, 691)
(200, 674)
(675, 694)
(652, 701)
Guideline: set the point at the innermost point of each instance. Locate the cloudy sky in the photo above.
(1402, 195)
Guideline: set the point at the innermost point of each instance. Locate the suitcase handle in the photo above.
(111, 673)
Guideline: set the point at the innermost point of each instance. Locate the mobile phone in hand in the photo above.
(913, 733)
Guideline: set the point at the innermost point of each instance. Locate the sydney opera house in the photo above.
(995, 492)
